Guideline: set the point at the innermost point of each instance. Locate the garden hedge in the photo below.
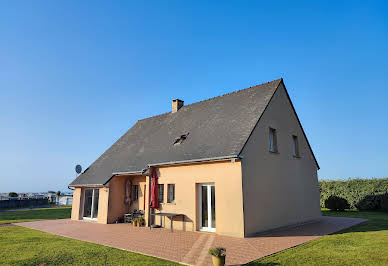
(362, 194)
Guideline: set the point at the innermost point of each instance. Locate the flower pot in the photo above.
(134, 223)
(218, 261)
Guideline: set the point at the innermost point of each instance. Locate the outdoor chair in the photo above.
(129, 217)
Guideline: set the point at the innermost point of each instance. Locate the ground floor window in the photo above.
(135, 192)
(161, 192)
(90, 208)
(171, 193)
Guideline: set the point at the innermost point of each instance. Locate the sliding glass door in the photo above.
(90, 203)
(207, 207)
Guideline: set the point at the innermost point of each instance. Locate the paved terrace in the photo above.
(191, 247)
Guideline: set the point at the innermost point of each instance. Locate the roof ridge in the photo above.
(233, 92)
(219, 96)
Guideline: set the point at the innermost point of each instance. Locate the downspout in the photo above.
(147, 172)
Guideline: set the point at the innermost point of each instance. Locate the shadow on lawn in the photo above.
(377, 220)
(368, 226)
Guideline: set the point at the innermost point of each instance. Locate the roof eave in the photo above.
(85, 185)
(220, 158)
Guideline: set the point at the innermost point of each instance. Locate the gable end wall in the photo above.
(278, 189)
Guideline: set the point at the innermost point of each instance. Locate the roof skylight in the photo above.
(181, 139)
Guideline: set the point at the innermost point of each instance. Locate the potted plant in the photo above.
(218, 256)
(140, 221)
(135, 222)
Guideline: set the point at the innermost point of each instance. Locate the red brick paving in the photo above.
(191, 247)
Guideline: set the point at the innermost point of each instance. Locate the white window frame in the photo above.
(273, 145)
(160, 200)
(295, 146)
(169, 193)
(210, 220)
(83, 205)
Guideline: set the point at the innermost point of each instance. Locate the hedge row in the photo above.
(362, 194)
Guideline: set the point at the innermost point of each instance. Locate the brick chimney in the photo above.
(176, 105)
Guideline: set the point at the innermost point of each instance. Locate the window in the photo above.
(171, 193)
(295, 146)
(181, 139)
(90, 209)
(136, 192)
(272, 140)
(161, 192)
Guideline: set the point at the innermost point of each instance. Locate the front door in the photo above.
(207, 207)
(90, 208)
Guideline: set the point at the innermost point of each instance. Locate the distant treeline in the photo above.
(362, 194)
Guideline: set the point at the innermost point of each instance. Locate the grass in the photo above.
(35, 215)
(363, 244)
(22, 246)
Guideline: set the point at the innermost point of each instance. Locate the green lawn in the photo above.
(364, 244)
(22, 246)
(35, 215)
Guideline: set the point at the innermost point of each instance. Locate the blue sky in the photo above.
(76, 75)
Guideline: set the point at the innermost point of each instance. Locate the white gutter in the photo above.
(127, 173)
(86, 185)
(221, 158)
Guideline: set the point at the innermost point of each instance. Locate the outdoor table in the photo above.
(170, 215)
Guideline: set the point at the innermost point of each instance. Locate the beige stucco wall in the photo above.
(77, 205)
(103, 207)
(226, 177)
(278, 189)
(75, 209)
(117, 207)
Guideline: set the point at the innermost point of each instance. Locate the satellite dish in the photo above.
(78, 169)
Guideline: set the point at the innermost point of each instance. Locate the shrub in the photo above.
(336, 203)
(370, 202)
(360, 193)
(217, 252)
(384, 202)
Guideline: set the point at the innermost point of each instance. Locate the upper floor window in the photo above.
(273, 147)
(171, 193)
(295, 146)
(136, 192)
(161, 192)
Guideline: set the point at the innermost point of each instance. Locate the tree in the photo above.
(58, 193)
(12, 194)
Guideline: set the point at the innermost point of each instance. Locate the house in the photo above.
(236, 165)
(64, 200)
(52, 196)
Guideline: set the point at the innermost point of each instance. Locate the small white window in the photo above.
(161, 192)
(171, 193)
(272, 140)
(295, 146)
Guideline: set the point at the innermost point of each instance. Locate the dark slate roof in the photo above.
(217, 127)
